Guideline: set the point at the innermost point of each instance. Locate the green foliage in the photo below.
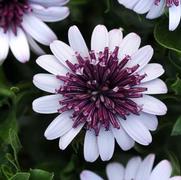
(166, 38)
(176, 86)
(33, 174)
(24, 152)
(36, 174)
(177, 127)
(20, 176)
(175, 163)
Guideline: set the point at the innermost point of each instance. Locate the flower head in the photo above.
(155, 8)
(104, 91)
(135, 169)
(21, 23)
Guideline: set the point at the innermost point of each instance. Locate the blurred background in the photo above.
(26, 154)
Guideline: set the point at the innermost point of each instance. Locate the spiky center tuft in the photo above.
(11, 13)
(169, 3)
(101, 88)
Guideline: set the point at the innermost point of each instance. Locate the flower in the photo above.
(136, 169)
(21, 23)
(155, 8)
(104, 91)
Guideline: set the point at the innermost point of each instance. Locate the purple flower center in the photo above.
(11, 13)
(169, 3)
(100, 89)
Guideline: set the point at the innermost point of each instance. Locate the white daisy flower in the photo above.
(155, 8)
(104, 91)
(21, 23)
(136, 169)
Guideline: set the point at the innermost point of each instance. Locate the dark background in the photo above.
(23, 147)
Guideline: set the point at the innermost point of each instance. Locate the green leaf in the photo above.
(69, 169)
(177, 128)
(166, 38)
(11, 159)
(9, 162)
(108, 4)
(15, 143)
(175, 163)
(4, 91)
(176, 86)
(7, 124)
(6, 171)
(175, 59)
(37, 174)
(21, 176)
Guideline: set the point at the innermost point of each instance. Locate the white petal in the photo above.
(4, 45)
(50, 14)
(132, 167)
(145, 168)
(66, 139)
(99, 39)
(47, 82)
(150, 121)
(128, 3)
(162, 171)
(151, 105)
(59, 126)
(122, 138)
(106, 144)
(175, 178)
(63, 52)
(174, 16)
(47, 104)
(50, 2)
(129, 45)
(51, 64)
(141, 57)
(43, 34)
(34, 46)
(152, 71)
(115, 38)
(19, 45)
(77, 42)
(91, 152)
(115, 171)
(136, 130)
(143, 6)
(156, 10)
(156, 86)
(89, 175)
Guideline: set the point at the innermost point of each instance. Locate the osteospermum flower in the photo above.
(103, 91)
(136, 169)
(155, 8)
(21, 23)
